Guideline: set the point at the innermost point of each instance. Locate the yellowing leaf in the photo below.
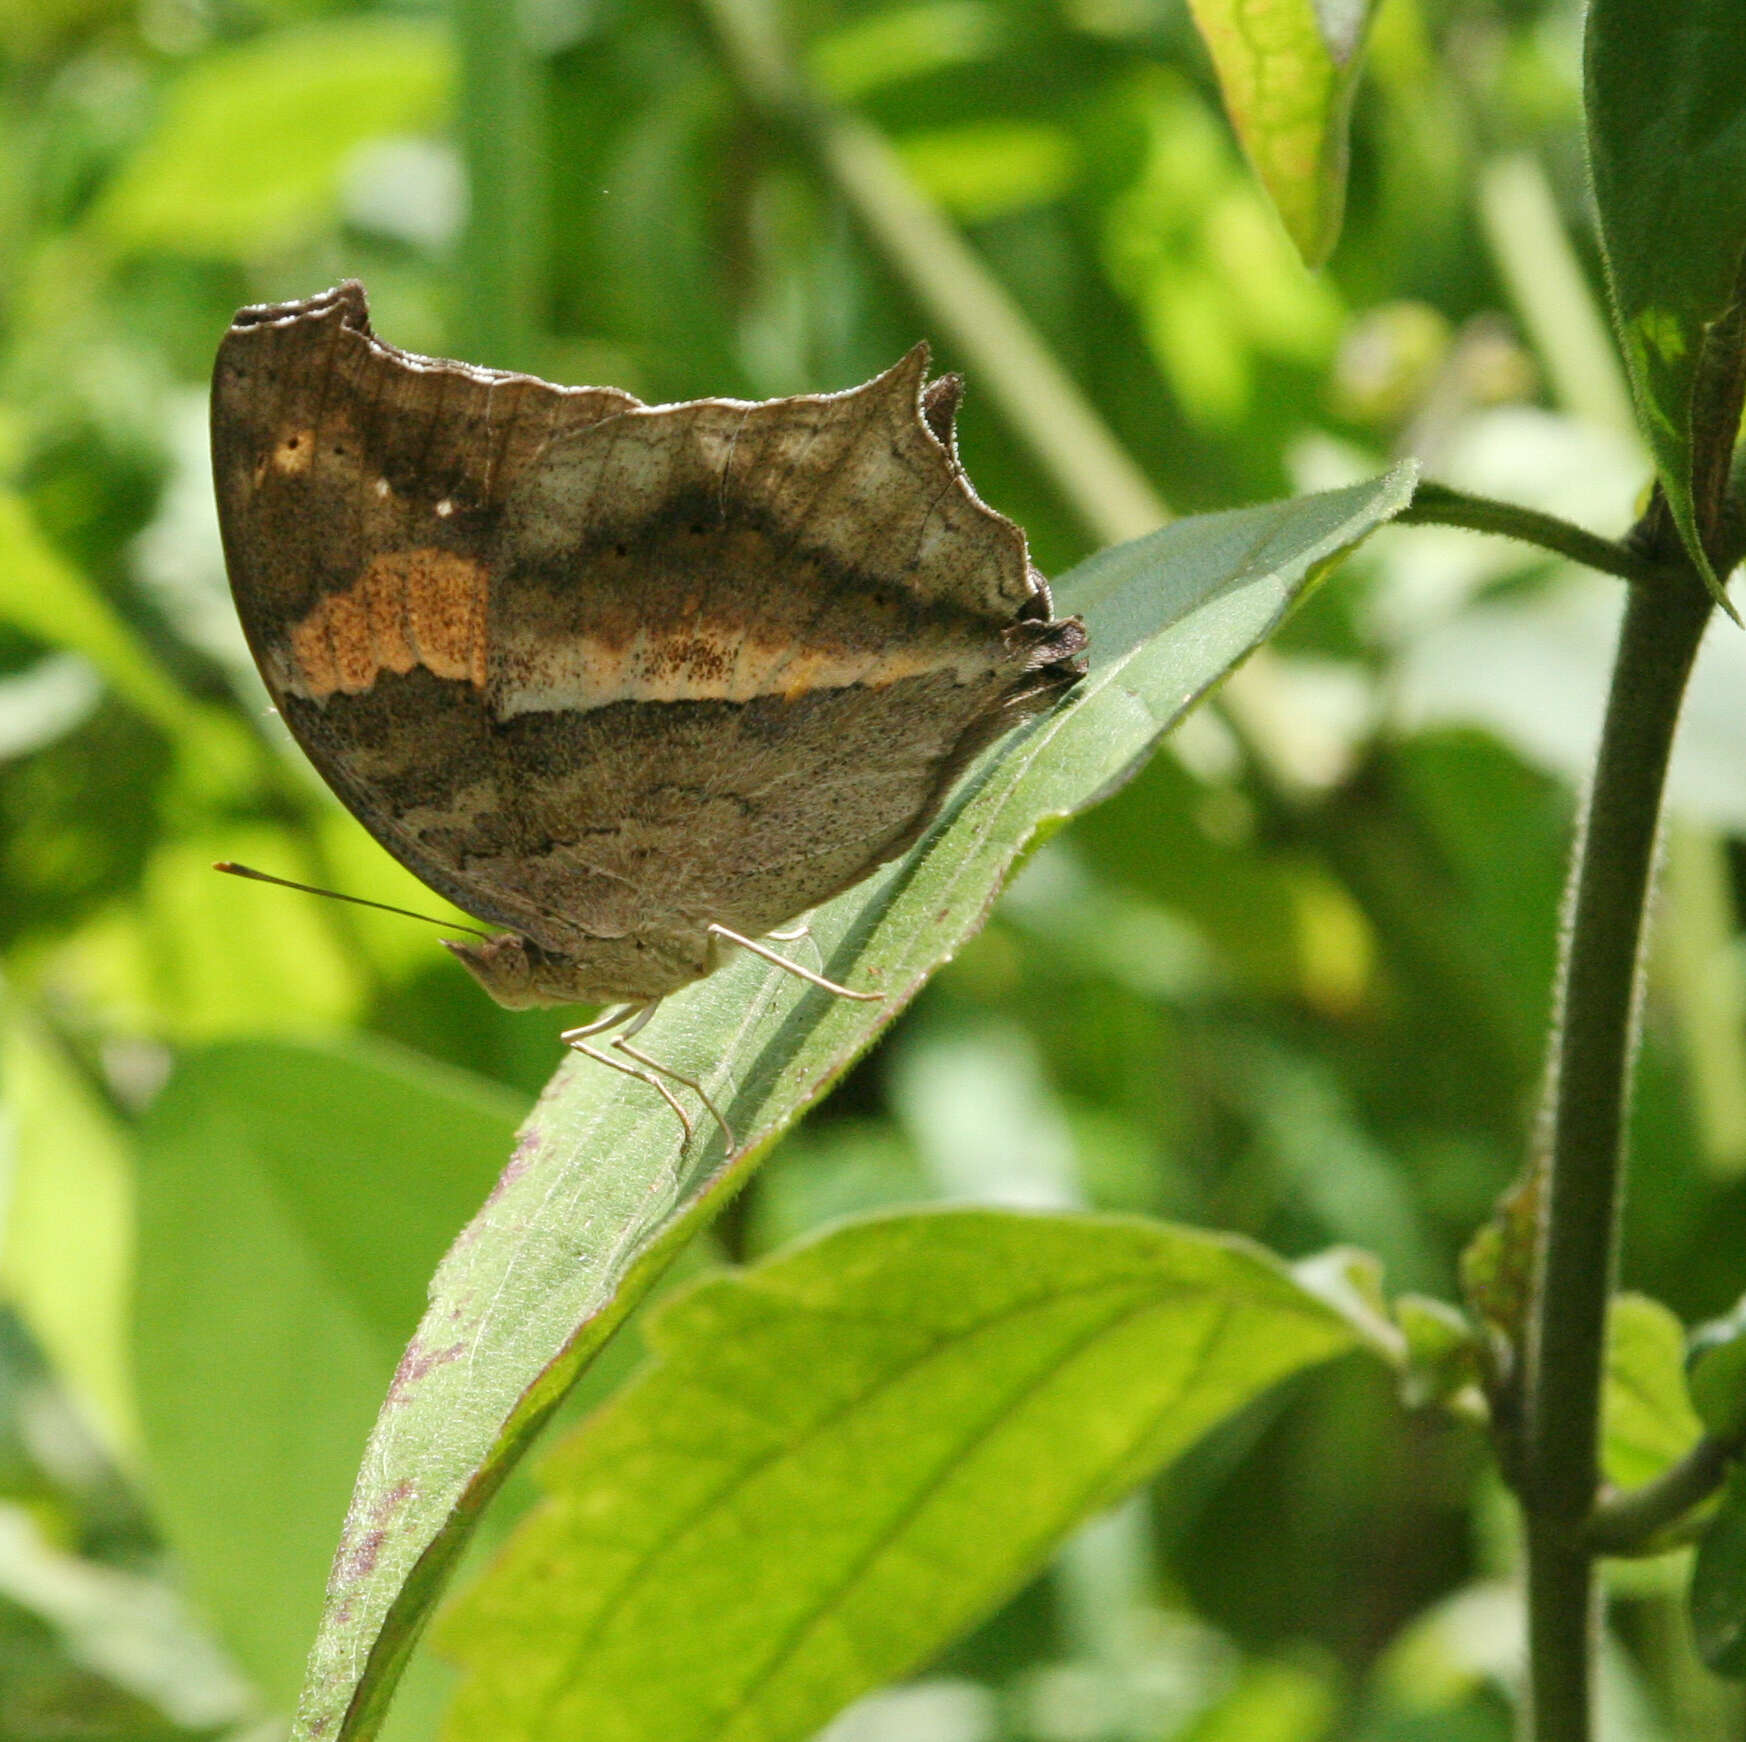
(1288, 69)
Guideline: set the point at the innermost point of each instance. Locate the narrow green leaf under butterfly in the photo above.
(1667, 142)
(843, 1457)
(600, 1194)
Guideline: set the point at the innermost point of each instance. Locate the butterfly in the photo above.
(634, 684)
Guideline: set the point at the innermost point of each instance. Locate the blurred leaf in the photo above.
(1647, 1421)
(1329, 1163)
(1288, 69)
(1274, 1701)
(1715, 1366)
(601, 1195)
(904, 42)
(986, 169)
(196, 957)
(1214, 283)
(249, 154)
(293, 1201)
(1468, 1638)
(1667, 145)
(755, 1532)
(129, 1629)
(42, 594)
(66, 1224)
(1698, 972)
(1193, 848)
(1532, 667)
(53, 697)
(1441, 1353)
(828, 1170)
(978, 1113)
(1718, 1584)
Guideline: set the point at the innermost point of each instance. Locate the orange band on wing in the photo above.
(409, 607)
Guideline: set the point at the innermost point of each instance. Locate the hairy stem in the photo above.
(1438, 505)
(1592, 1047)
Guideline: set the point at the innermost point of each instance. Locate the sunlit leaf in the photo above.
(293, 1200)
(600, 1194)
(1667, 142)
(250, 151)
(1716, 1373)
(901, 43)
(1647, 1418)
(66, 1223)
(986, 169)
(44, 595)
(1288, 69)
(846, 1455)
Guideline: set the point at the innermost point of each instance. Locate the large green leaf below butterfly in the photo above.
(844, 1456)
(600, 1193)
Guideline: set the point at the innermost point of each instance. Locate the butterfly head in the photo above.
(522, 975)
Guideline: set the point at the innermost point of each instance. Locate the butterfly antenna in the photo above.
(232, 869)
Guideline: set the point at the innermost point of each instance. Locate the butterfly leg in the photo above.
(691, 1083)
(622, 1043)
(769, 955)
(801, 933)
(635, 1015)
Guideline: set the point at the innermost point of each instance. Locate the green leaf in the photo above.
(1715, 1367)
(66, 1224)
(248, 156)
(1666, 97)
(132, 1630)
(293, 1200)
(901, 44)
(846, 1455)
(1647, 1421)
(44, 595)
(1718, 1584)
(1442, 1354)
(600, 1194)
(1288, 69)
(982, 170)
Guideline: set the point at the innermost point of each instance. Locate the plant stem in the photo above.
(1438, 505)
(1624, 1522)
(1593, 1039)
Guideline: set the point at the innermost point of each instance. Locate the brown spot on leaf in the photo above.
(357, 1560)
(415, 1364)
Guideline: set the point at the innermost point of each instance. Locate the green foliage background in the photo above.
(1291, 982)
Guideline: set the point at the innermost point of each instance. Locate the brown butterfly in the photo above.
(633, 683)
